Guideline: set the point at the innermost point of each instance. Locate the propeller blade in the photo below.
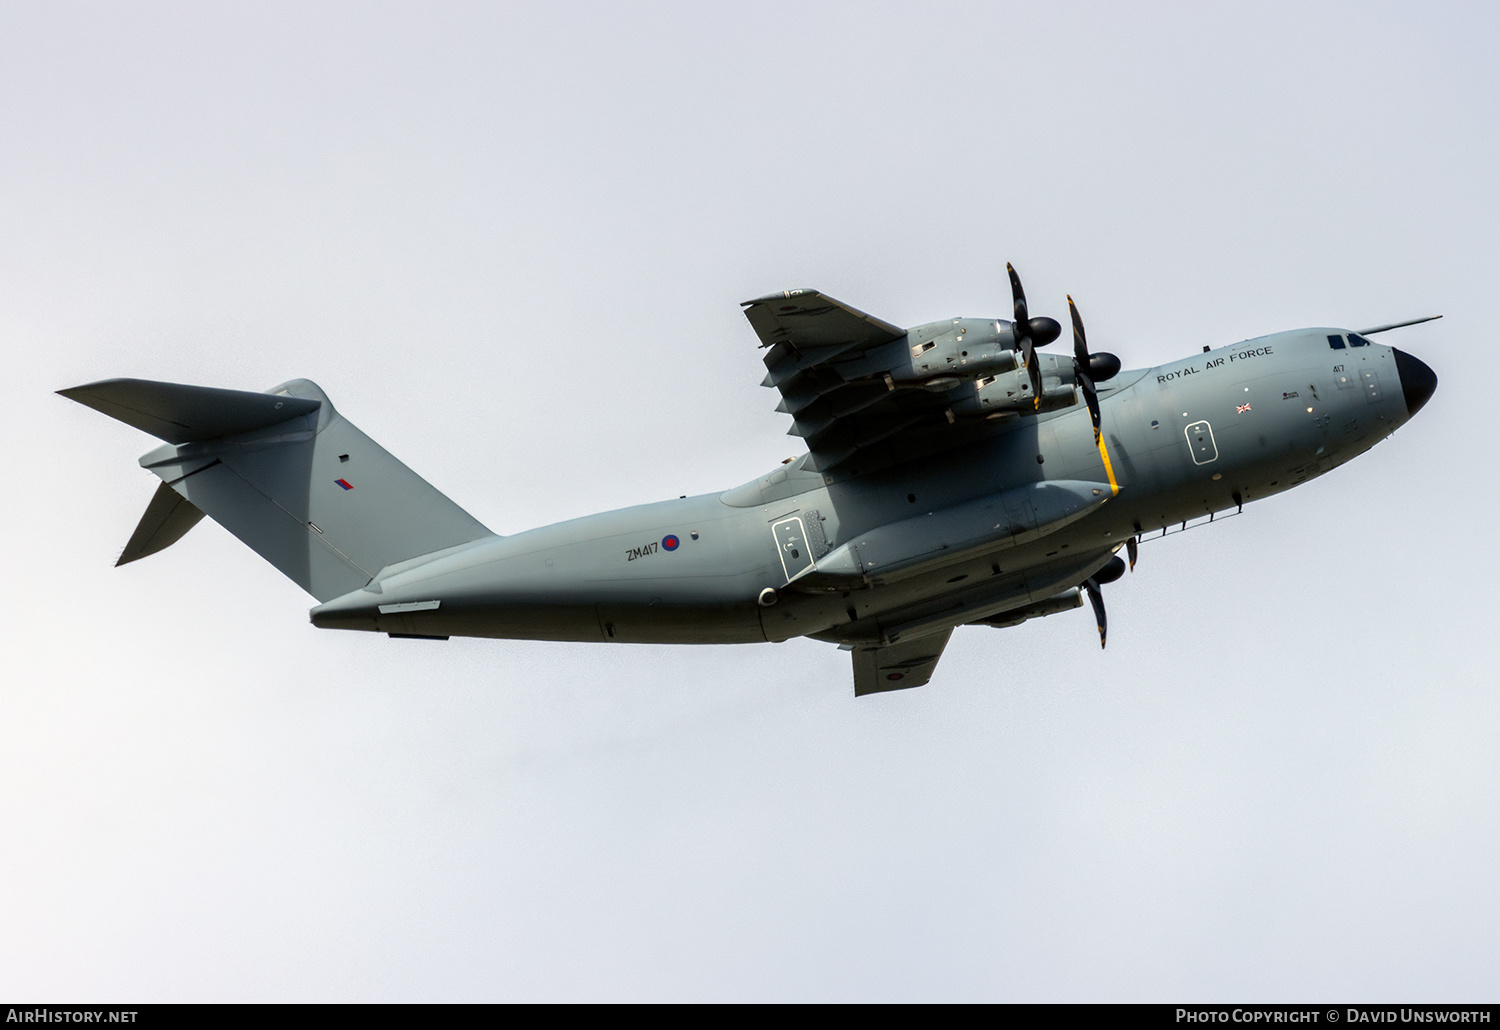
(1081, 367)
(1096, 598)
(1030, 333)
(1018, 299)
(1021, 330)
(1033, 369)
(1080, 345)
(1094, 587)
(1133, 549)
(1091, 398)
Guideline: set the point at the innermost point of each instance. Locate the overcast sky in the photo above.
(509, 240)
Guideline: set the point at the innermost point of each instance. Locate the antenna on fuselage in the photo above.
(1397, 325)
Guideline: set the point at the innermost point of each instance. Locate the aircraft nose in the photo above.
(1417, 380)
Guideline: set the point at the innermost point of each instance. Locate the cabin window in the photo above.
(1356, 340)
(1336, 342)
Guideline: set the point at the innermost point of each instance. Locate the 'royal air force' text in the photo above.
(1212, 363)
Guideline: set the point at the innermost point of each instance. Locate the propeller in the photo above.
(1030, 333)
(1132, 548)
(1093, 586)
(1087, 368)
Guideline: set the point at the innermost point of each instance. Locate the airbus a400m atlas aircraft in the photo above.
(954, 475)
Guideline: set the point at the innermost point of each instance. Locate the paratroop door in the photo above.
(791, 544)
(1200, 438)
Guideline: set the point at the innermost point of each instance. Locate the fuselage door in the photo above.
(1200, 438)
(791, 544)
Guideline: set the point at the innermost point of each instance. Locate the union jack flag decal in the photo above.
(1242, 409)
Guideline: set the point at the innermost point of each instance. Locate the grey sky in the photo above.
(510, 242)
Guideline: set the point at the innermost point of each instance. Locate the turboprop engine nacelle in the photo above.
(966, 348)
(1010, 394)
(1063, 602)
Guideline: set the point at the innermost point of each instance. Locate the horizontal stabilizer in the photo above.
(180, 414)
(168, 518)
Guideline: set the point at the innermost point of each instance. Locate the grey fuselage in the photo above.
(1201, 435)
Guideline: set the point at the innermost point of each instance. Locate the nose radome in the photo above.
(1417, 380)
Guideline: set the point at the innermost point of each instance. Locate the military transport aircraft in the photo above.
(955, 475)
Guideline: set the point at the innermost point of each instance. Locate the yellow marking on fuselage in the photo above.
(1109, 470)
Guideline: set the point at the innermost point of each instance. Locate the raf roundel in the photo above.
(670, 542)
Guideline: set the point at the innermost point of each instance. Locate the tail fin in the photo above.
(284, 472)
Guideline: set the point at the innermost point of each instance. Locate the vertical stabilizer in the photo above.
(287, 474)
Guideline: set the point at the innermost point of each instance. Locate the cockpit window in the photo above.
(1336, 342)
(1356, 340)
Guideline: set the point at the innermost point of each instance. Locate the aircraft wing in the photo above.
(909, 663)
(815, 327)
(830, 362)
